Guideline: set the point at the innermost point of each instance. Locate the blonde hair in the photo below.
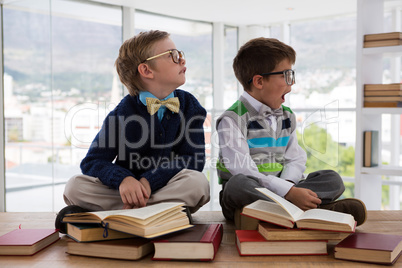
(132, 53)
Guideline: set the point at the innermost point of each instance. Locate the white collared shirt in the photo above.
(235, 150)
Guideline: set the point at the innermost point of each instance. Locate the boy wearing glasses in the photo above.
(151, 147)
(258, 142)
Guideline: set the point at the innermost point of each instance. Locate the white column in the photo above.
(253, 31)
(2, 149)
(218, 58)
(285, 33)
(218, 44)
(394, 190)
(128, 22)
(370, 16)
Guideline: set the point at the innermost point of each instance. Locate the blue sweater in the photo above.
(134, 143)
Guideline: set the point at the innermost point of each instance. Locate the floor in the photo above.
(55, 256)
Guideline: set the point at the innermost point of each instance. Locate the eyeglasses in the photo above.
(176, 55)
(289, 76)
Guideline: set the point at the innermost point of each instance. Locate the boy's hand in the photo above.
(145, 183)
(303, 198)
(133, 193)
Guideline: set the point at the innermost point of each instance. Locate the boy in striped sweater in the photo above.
(258, 142)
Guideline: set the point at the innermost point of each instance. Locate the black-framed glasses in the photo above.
(176, 55)
(289, 76)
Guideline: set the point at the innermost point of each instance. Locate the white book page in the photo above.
(326, 215)
(139, 213)
(271, 207)
(293, 210)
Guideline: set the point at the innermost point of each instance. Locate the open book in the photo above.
(151, 221)
(286, 214)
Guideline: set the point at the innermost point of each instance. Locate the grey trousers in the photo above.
(239, 190)
(188, 186)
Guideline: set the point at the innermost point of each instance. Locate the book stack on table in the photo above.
(383, 39)
(162, 229)
(383, 95)
(123, 234)
(284, 229)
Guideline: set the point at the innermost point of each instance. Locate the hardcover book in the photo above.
(370, 149)
(251, 242)
(382, 104)
(383, 93)
(274, 232)
(27, 241)
(370, 247)
(198, 243)
(383, 36)
(393, 86)
(90, 232)
(125, 249)
(286, 214)
(149, 222)
(383, 43)
(383, 98)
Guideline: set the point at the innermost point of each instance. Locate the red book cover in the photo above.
(370, 247)
(27, 241)
(198, 243)
(252, 243)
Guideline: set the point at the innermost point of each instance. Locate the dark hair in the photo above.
(132, 53)
(260, 55)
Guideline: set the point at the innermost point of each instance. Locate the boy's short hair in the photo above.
(132, 53)
(260, 55)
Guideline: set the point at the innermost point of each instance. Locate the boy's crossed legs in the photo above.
(240, 191)
(85, 193)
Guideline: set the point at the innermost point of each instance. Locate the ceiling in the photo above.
(246, 12)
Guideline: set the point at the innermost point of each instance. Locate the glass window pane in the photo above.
(325, 63)
(57, 81)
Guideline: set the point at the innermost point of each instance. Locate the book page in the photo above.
(293, 210)
(326, 215)
(271, 207)
(139, 213)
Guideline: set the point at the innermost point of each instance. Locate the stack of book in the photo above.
(383, 95)
(123, 234)
(287, 230)
(132, 234)
(383, 39)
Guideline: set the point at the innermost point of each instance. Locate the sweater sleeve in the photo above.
(99, 159)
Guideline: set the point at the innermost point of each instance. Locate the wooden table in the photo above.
(389, 222)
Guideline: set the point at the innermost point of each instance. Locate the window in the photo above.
(59, 72)
(325, 70)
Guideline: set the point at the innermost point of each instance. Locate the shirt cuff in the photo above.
(293, 175)
(277, 185)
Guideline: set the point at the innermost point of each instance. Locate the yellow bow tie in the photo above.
(153, 104)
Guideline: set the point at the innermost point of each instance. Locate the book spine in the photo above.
(213, 235)
(394, 86)
(209, 233)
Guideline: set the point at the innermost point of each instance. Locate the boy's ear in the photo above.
(257, 81)
(145, 71)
